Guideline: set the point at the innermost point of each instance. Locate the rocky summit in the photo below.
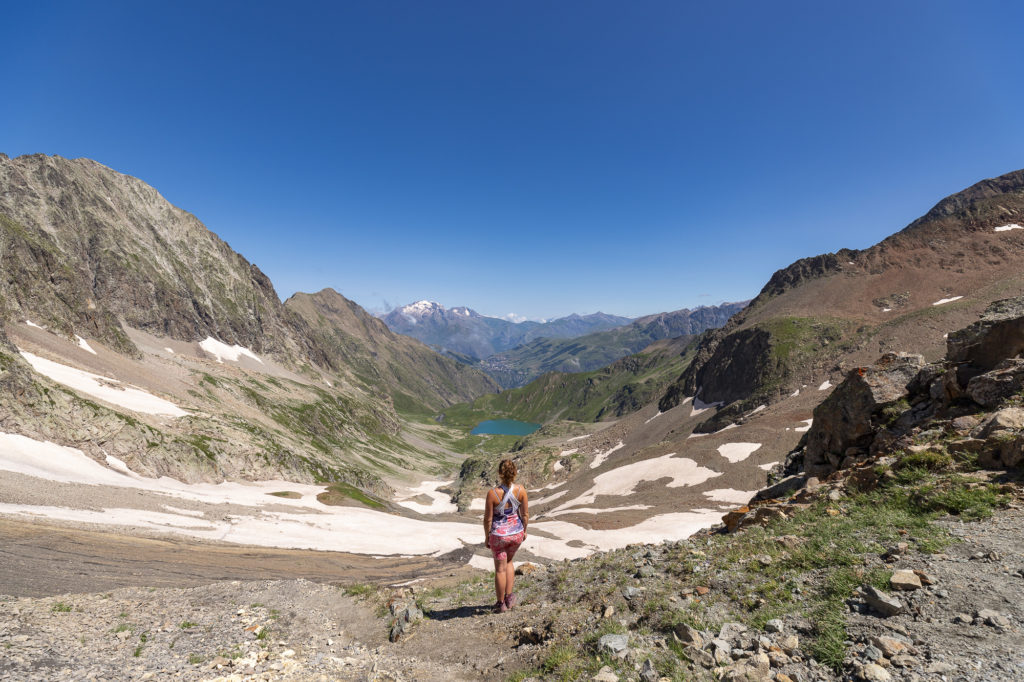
(199, 481)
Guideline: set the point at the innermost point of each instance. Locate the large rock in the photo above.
(616, 645)
(847, 418)
(1009, 419)
(885, 604)
(991, 388)
(997, 336)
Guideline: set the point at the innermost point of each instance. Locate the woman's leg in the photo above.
(500, 577)
(510, 578)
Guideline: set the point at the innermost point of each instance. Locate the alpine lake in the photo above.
(504, 427)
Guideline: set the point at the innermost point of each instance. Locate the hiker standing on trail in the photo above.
(506, 515)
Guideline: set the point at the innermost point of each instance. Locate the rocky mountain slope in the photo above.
(522, 364)
(462, 331)
(417, 377)
(825, 313)
(108, 284)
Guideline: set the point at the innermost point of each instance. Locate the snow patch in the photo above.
(600, 458)
(794, 393)
(557, 466)
(622, 481)
(169, 350)
(477, 504)
(943, 301)
(33, 324)
(886, 310)
(825, 385)
(737, 452)
(1007, 228)
(569, 452)
(766, 466)
(578, 438)
(481, 562)
(440, 503)
(730, 495)
(223, 351)
(97, 386)
(84, 345)
(119, 465)
(654, 417)
(806, 426)
(598, 511)
(544, 500)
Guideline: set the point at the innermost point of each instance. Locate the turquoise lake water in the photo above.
(505, 427)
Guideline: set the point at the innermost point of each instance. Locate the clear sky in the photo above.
(536, 158)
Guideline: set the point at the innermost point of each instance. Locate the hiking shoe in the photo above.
(510, 600)
(499, 607)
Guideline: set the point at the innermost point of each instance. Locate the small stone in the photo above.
(940, 668)
(685, 633)
(993, 618)
(905, 580)
(721, 651)
(778, 659)
(882, 602)
(926, 578)
(645, 572)
(616, 645)
(731, 632)
(605, 674)
(790, 644)
(219, 661)
(783, 677)
(904, 661)
(701, 590)
(890, 646)
(764, 560)
(872, 653)
(963, 619)
(872, 672)
(699, 657)
(608, 612)
(774, 625)
(648, 673)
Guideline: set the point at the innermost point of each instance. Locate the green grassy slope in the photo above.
(620, 388)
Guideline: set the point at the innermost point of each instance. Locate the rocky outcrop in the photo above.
(879, 408)
(845, 423)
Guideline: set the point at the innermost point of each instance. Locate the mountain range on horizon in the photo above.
(462, 331)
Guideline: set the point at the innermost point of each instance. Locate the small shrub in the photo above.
(186, 624)
(61, 607)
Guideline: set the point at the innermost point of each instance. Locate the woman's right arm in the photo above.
(488, 516)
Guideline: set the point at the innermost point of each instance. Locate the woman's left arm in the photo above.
(524, 509)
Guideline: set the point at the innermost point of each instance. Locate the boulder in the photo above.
(993, 387)
(872, 672)
(846, 419)
(997, 336)
(605, 674)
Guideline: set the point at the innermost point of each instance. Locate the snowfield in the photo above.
(223, 351)
(104, 388)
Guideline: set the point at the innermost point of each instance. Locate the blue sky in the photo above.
(534, 158)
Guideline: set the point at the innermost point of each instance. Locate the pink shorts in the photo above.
(505, 546)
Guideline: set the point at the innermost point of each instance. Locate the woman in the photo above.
(506, 515)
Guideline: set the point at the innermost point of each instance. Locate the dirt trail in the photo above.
(39, 560)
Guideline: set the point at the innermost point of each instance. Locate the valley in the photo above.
(167, 422)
